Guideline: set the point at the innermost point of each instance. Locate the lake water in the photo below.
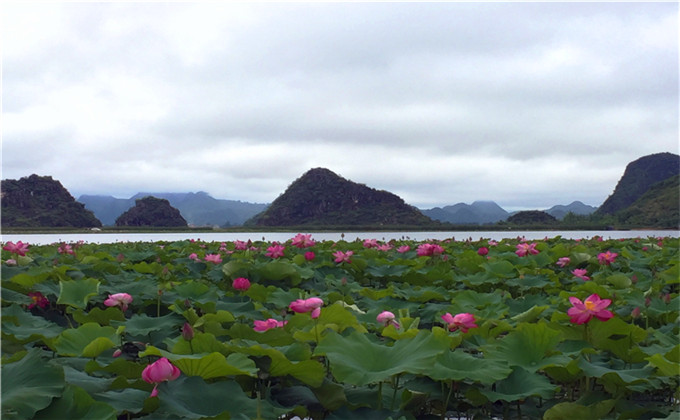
(103, 238)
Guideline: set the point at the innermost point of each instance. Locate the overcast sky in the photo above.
(526, 104)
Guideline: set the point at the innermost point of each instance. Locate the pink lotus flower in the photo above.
(403, 248)
(341, 257)
(524, 249)
(19, 248)
(38, 300)
(309, 255)
(275, 251)
(213, 258)
(11, 261)
(193, 256)
(427, 250)
(563, 262)
(483, 251)
(241, 283)
(593, 306)
(303, 241)
(312, 305)
(268, 324)
(492, 242)
(187, 331)
(606, 258)
(240, 245)
(384, 247)
(119, 299)
(463, 321)
(370, 243)
(580, 273)
(159, 371)
(387, 318)
(66, 249)
(635, 312)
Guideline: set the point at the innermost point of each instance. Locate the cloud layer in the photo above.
(527, 104)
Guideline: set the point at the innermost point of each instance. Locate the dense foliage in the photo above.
(336, 330)
(41, 201)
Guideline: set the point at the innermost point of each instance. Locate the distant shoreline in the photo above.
(330, 229)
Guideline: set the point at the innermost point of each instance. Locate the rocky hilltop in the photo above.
(153, 212)
(40, 201)
(638, 177)
(323, 198)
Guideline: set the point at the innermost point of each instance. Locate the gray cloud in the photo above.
(527, 104)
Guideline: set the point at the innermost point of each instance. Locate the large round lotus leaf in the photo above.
(193, 398)
(358, 361)
(29, 385)
(88, 340)
(459, 366)
(520, 385)
(77, 293)
(77, 404)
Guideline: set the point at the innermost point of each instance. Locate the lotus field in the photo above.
(363, 329)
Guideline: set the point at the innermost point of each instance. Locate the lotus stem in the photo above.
(394, 393)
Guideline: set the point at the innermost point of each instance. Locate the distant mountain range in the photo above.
(647, 195)
(198, 209)
(488, 212)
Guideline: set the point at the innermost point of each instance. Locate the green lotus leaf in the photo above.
(619, 281)
(520, 385)
(458, 365)
(34, 383)
(196, 291)
(530, 346)
(26, 327)
(530, 315)
(387, 270)
(215, 365)
(627, 376)
(76, 404)
(665, 367)
(98, 315)
(310, 372)
(500, 269)
(144, 324)
(179, 398)
(97, 346)
(358, 361)
(31, 278)
(619, 337)
(279, 270)
(77, 341)
(120, 367)
(91, 384)
(77, 293)
(123, 400)
(572, 410)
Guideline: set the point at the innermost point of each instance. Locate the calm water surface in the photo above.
(107, 238)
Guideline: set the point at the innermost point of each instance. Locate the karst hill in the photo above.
(322, 198)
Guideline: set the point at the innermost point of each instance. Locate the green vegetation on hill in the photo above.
(532, 217)
(320, 197)
(658, 207)
(151, 211)
(40, 201)
(638, 177)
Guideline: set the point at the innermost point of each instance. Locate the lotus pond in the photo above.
(367, 329)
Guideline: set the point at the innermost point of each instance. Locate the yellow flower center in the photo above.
(590, 305)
